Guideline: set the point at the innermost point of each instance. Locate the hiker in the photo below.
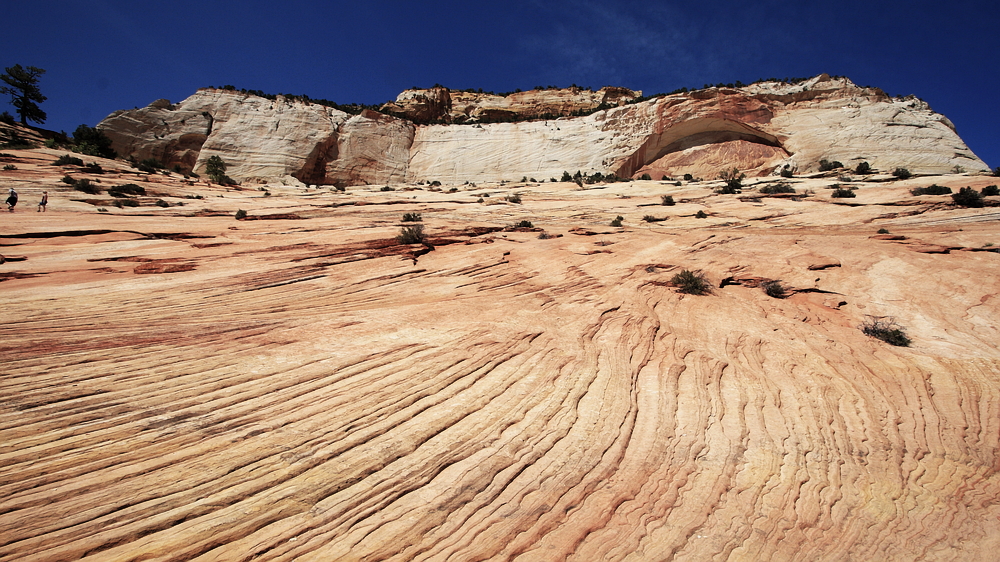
(11, 200)
(43, 202)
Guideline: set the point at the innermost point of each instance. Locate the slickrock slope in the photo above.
(179, 385)
(759, 128)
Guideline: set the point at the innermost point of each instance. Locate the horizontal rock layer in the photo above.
(700, 133)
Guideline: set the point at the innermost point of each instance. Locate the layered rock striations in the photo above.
(454, 137)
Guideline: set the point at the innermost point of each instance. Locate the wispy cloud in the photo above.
(595, 42)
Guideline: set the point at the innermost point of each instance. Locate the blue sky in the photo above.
(104, 55)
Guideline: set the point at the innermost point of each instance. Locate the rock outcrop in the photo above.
(465, 106)
(759, 129)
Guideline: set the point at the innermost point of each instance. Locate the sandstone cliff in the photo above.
(462, 106)
(758, 128)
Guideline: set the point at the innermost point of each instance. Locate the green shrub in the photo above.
(387, 188)
(126, 190)
(435, 183)
(776, 188)
(649, 218)
(215, 167)
(412, 217)
(151, 165)
(734, 180)
(883, 231)
(996, 171)
(524, 224)
(93, 168)
(67, 160)
(664, 178)
(126, 203)
(688, 177)
(7, 118)
(514, 198)
(700, 215)
(645, 177)
(990, 190)
(902, 173)
(85, 186)
(691, 282)
(667, 200)
(617, 221)
(826, 165)
(9, 167)
(93, 142)
(968, 197)
(51, 143)
(524, 179)
(886, 329)
(411, 234)
(774, 289)
(863, 168)
(241, 214)
(786, 172)
(162, 203)
(931, 190)
(841, 193)
(566, 177)
(67, 179)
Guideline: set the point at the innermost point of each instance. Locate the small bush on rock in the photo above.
(412, 217)
(126, 190)
(734, 180)
(841, 193)
(241, 214)
(776, 188)
(411, 234)
(691, 282)
(667, 200)
(863, 168)
(617, 221)
(774, 289)
(67, 160)
(85, 186)
(524, 224)
(968, 197)
(990, 190)
(700, 215)
(886, 329)
(931, 190)
(826, 166)
(902, 173)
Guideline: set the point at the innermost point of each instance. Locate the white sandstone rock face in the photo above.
(758, 128)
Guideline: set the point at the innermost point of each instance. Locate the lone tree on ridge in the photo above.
(22, 86)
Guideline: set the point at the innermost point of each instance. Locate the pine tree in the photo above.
(24, 93)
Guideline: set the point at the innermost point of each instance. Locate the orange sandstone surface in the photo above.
(180, 385)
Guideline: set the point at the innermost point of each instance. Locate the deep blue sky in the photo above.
(104, 55)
